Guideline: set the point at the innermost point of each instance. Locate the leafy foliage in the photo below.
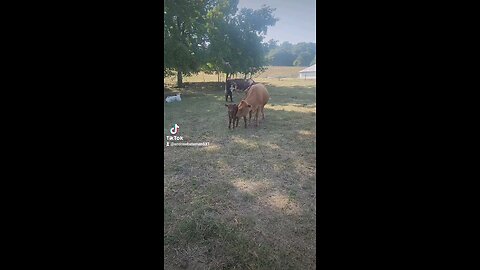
(184, 35)
(235, 38)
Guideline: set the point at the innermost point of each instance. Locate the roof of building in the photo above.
(309, 69)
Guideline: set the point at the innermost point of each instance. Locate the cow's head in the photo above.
(232, 110)
(243, 108)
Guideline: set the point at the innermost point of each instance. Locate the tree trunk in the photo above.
(226, 77)
(245, 77)
(218, 76)
(179, 79)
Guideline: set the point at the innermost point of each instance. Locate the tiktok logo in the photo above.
(174, 129)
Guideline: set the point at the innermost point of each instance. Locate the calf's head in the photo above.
(232, 110)
(243, 109)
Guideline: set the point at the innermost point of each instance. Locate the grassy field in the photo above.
(246, 201)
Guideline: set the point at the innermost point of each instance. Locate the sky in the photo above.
(297, 19)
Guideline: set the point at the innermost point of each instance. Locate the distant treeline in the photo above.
(287, 54)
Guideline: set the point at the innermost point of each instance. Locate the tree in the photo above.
(235, 39)
(253, 25)
(219, 25)
(314, 61)
(303, 59)
(271, 44)
(184, 36)
(281, 57)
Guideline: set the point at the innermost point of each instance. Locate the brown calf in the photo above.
(232, 114)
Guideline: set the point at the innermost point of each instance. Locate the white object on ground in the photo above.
(173, 98)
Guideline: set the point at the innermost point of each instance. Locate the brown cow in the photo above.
(254, 102)
(232, 111)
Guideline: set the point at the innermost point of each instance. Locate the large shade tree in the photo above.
(220, 28)
(235, 38)
(184, 36)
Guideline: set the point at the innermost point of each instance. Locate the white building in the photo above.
(308, 73)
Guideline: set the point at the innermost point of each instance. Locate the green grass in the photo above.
(247, 201)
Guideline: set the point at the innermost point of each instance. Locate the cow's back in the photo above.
(242, 84)
(257, 95)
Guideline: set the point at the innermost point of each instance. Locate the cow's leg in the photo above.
(230, 122)
(245, 120)
(256, 117)
(263, 114)
(250, 114)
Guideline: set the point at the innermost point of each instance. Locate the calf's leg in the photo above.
(230, 122)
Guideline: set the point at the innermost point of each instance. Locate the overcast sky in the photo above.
(296, 19)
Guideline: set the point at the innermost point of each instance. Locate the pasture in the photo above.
(247, 200)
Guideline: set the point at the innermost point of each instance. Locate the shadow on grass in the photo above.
(239, 238)
(237, 212)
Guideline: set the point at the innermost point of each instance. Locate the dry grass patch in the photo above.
(292, 108)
